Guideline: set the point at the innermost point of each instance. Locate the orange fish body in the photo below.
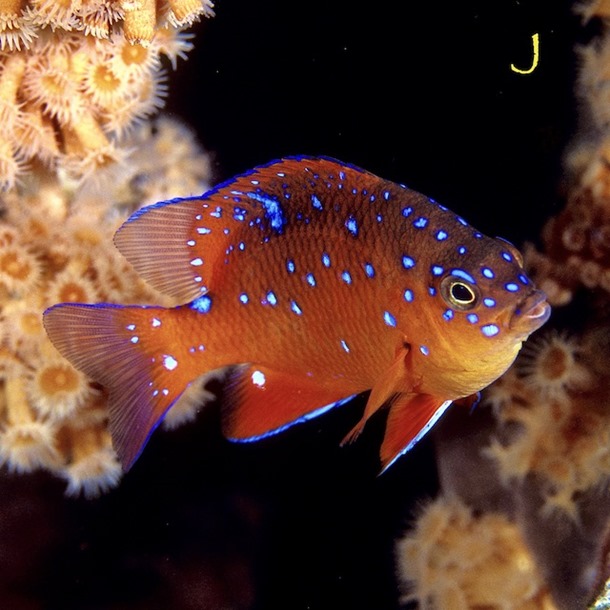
(321, 281)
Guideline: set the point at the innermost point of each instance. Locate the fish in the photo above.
(315, 281)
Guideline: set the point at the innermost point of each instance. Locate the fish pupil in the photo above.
(462, 293)
(459, 293)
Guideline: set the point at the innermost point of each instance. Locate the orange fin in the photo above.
(259, 402)
(116, 346)
(177, 262)
(390, 384)
(410, 417)
(207, 229)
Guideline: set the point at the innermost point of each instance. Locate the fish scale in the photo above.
(319, 280)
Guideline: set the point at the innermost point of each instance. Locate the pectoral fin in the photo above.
(259, 402)
(410, 417)
(388, 385)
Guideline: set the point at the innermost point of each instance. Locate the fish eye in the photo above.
(459, 294)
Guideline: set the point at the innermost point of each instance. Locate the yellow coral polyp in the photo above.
(106, 80)
(57, 379)
(549, 365)
(19, 270)
(186, 11)
(70, 286)
(54, 90)
(103, 85)
(140, 19)
(134, 54)
(56, 13)
(457, 560)
(57, 390)
(93, 467)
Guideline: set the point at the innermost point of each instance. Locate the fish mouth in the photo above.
(531, 313)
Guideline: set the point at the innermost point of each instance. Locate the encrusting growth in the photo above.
(455, 560)
(58, 248)
(76, 77)
(79, 85)
(551, 411)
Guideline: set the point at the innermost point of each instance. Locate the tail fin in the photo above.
(129, 351)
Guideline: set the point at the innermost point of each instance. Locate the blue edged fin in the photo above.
(411, 416)
(259, 402)
(126, 350)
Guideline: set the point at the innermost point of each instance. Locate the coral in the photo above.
(75, 78)
(561, 411)
(454, 559)
(547, 440)
(56, 246)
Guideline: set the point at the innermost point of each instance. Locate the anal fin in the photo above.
(411, 416)
(259, 402)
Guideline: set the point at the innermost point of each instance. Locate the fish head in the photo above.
(483, 308)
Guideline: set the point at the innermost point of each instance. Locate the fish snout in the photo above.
(531, 313)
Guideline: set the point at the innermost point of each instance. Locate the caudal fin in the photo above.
(129, 351)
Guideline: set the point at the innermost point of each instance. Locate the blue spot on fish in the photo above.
(169, 362)
(203, 304)
(243, 297)
(448, 314)
(311, 280)
(420, 223)
(273, 210)
(490, 330)
(511, 287)
(344, 346)
(369, 270)
(317, 204)
(352, 226)
(346, 277)
(408, 296)
(408, 262)
(463, 274)
(489, 302)
(507, 256)
(488, 273)
(239, 213)
(290, 267)
(407, 211)
(472, 318)
(271, 298)
(441, 235)
(424, 350)
(326, 259)
(437, 270)
(389, 319)
(295, 308)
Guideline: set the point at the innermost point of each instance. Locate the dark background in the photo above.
(421, 93)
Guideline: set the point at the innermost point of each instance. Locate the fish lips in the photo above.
(530, 313)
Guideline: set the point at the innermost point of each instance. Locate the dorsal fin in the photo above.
(175, 244)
